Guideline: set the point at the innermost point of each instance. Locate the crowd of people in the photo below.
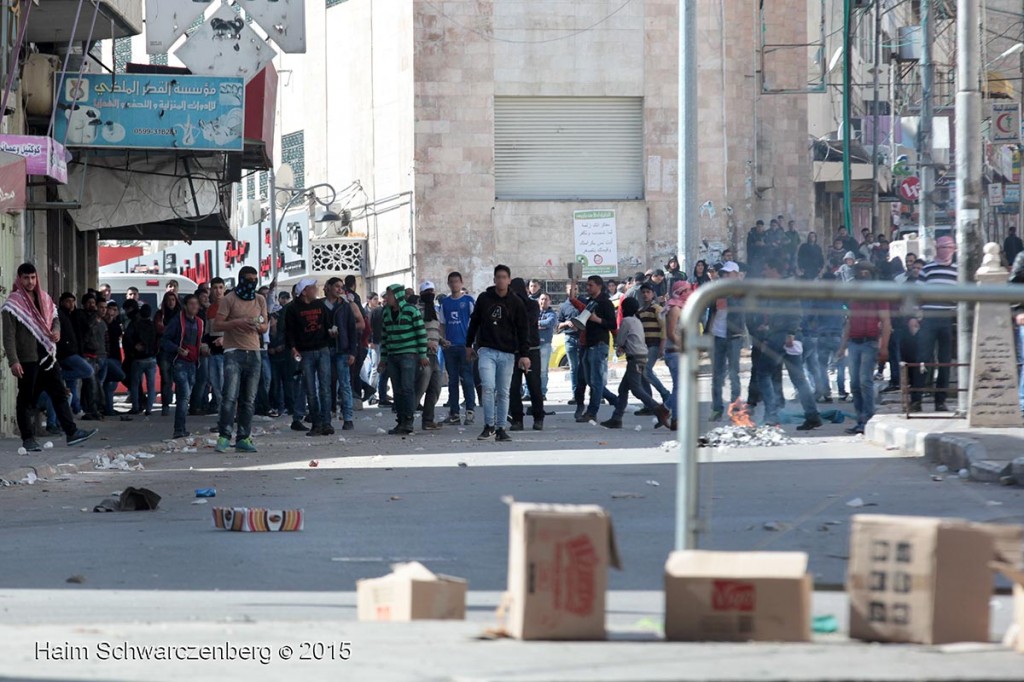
(317, 353)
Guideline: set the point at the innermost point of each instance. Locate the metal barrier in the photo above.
(906, 389)
(687, 501)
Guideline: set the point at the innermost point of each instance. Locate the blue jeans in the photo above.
(215, 376)
(545, 360)
(184, 381)
(495, 380)
(672, 362)
(826, 347)
(727, 352)
(1020, 357)
(265, 369)
(197, 400)
(572, 351)
(597, 374)
(75, 369)
(863, 358)
(147, 367)
(460, 373)
(344, 383)
(316, 376)
(402, 371)
(241, 376)
(650, 379)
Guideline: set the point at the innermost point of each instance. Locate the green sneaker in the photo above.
(223, 444)
(245, 445)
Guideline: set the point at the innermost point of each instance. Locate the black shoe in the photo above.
(91, 417)
(810, 424)
(432, 426)
(854, 430)
(516, 425)
(385, 402)
(612, 423)
(890, 389)
(181, 434)
(400, 430)
(538, 424)
(327, 430)
(486, 434)
(571, 402)
(308, 419)
(31, 445)
(644, 412)
(611, 402)
(915, 407)
(585, 417)
(348, 426)
(315, 431)
(501, 436)
(81, 435)
(298, 426)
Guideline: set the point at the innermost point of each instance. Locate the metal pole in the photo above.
(275, 239)
(847, 65)
(687, 237)
(926, 171)
(968, 165)
(875, 213)
(687, 501)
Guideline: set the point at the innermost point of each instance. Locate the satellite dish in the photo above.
(284, 178)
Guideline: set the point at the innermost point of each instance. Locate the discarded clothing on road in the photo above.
(130, 499)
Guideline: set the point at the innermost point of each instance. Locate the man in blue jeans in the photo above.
(600, 325)
(566, 313)
(403, 346)
(183, 341)
(242, 317)
(866, 339)
(727, 329)
(309, 338)
(456, 310)
(499, 330)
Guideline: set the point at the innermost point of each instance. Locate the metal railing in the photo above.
(906, 388)
(687, 500)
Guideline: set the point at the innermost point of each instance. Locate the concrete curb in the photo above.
(956, 452)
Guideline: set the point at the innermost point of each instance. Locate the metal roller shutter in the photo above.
(568, 148)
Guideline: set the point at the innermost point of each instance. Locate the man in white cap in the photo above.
(308, 336)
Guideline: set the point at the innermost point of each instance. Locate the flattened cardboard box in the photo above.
(558, 571)
(411, 592)
(737, 596)
(919, 579)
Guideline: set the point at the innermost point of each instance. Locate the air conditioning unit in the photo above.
(37, 80)
(247, 212)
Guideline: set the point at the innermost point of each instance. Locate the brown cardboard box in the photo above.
(558, 571)
(411, 592)
(919, 580)
(1015, 635)
(737, 596)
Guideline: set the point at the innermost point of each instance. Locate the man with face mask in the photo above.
(866, 338)
(242, 317)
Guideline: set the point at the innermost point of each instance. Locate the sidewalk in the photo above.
(989, 455)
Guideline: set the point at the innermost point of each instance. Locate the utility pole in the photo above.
(847, 65)
(875, 213)
(688, 236)
(926, 169)
(968, 166)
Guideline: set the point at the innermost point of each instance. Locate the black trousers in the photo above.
(753, 391)
(934, 344)
(32, 384)
(515, 396)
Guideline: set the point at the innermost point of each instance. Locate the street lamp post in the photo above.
(306, 193)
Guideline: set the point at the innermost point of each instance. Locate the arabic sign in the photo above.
(147, 111)
(1005, 122)
(43, 155)
(12, 182)
(167, 20)
(995, 194)
(225, 46)
(596, 242)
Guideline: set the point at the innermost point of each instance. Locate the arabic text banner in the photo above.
(149, 111)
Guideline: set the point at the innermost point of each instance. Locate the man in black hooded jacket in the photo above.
(532, 375)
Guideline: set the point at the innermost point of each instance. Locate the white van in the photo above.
(151, 287)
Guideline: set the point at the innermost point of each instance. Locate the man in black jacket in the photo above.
(307, 335)
(518, 287)
(498, 329)
(69, 349)
(600, 325)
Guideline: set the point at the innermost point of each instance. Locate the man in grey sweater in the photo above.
(30, 336)
(630, 341)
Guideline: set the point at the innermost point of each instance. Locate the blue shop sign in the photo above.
(149, 111)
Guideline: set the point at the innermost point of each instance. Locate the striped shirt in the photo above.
(403, 332)
(937, 274)
(654, 325)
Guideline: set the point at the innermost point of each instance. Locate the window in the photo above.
(568, 148)
(122, 54)
(293, 151)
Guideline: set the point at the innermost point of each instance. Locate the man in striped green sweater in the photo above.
(403, 345)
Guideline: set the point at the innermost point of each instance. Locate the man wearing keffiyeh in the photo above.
(31, 331)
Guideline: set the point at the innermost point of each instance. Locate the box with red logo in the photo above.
(558, 571)
(737, 596)
(411, 592)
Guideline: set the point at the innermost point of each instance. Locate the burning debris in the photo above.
(743, 432)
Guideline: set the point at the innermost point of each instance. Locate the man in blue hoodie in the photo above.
(182, 341)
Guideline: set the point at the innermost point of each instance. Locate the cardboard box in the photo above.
(558, 571)
(1015, 635)
(737, 596)
(411, 592)
(919, 580)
